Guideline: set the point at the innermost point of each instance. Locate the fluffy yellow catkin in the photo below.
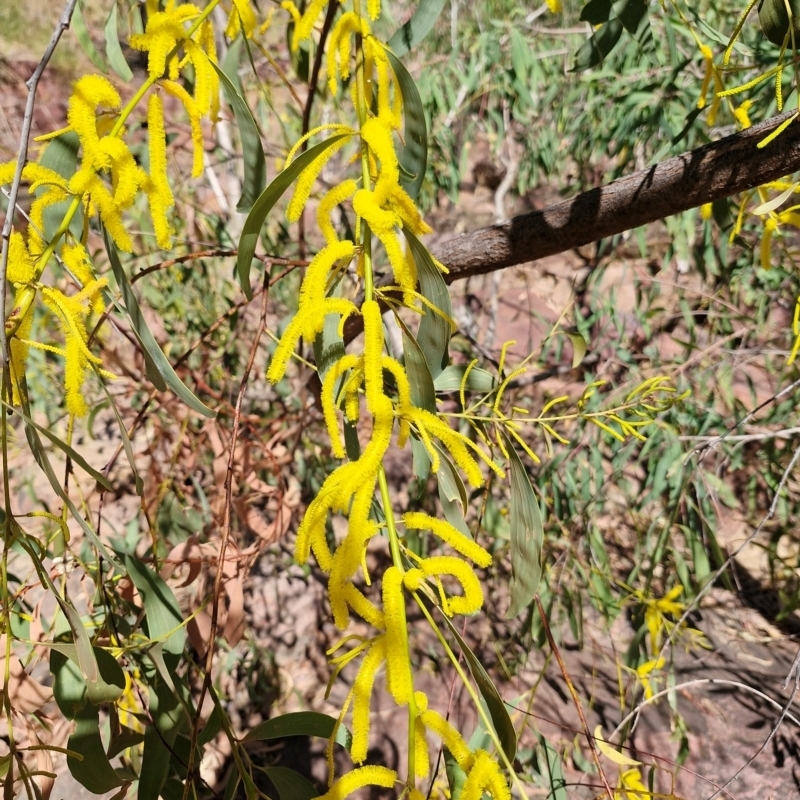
(450, 535)
(398, 670)
(450, 737)
(485, 776)
(362, 692)
(358, 778)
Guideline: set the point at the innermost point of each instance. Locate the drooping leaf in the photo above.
(452, 492)
(261, 208)
(456, 777)
(479, 380)
(110, 681)
(113, 50)
(85, 40)
(434, 331)
(73, 454)
(93, 771)
(578, 348)
(145, 337)
(255, 165)
(61, 155)
(230, 64)
(291, 785)
(598, 46)
(162, 612)
(122, 739)
(158, 740)
(414, 155)
(211, 728)
(300, 723)
(503, 726)
(41, 458)
(126, 442)
(423, 395)
(527, 536)
(550, 769)
(596, 12)
(409, 35)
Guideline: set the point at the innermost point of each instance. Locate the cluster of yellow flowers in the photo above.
(383, 208)
(107, 182)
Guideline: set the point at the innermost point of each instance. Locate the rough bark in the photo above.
(721, 169)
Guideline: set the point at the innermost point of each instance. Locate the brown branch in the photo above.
(709, 173)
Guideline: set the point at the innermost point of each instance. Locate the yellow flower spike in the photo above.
(485, 776)
(18, 347)
(88, 94)
(631, 786)
(378, 136)
(339, 44)
(471, 600)
(462, 389)
(334, 732)
(109, 213)
(501, 364)
(373, 352)
(743, 118)
(363, 607)
(449, 535)
(357, 779)
(403, 395)
(374, 9)
(450, 737)
(796, 332)
(706, 211)
(164, 30)
(21, 268)
(312, 292)
(366, 205)
(643, 672)
(362, 693)
(328, 401)
(708, 66)
(159, 193)
(77, 261)
(288, 5)
(304, 26)
(331, 199)
(422, 758)
(307, 178)
(398, 670)
(504, 385)
(524, 445)
(408, 212)
(770, 226)
(242, 17)
(194, 114)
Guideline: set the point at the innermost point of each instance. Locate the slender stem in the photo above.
(476, 701)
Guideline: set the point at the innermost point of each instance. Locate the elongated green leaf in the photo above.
(497, 708)
(409, 35)
(126, 442)
(40, 455)
(73, 454)
(255, 165)
(114, 55)
(598, 46)
(291, 785)
(527, 536)
(211, 728)
(456, 776)
(162, 612)
(122, 739)
(61, 155)
(110, 681)
(422, 395)
(300, 723)
(596, 12)
(230, 64)
(479, 380)
(414, 155)
(261, 208)
(549, 767)
(452, 492)
(158, 739)
(93, 771)
(85, 40)
(434, 331)
(146, 338)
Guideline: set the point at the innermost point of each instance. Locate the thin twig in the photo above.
(778, 722)
(226, 526)
(22, 157)
(731, 557)
(785, 433)
(575, 698)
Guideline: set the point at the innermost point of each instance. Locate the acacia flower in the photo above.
(358, 778)
(362, 693)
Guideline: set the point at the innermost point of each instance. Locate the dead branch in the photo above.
(720, 169)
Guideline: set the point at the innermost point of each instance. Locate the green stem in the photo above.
(476, 700)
